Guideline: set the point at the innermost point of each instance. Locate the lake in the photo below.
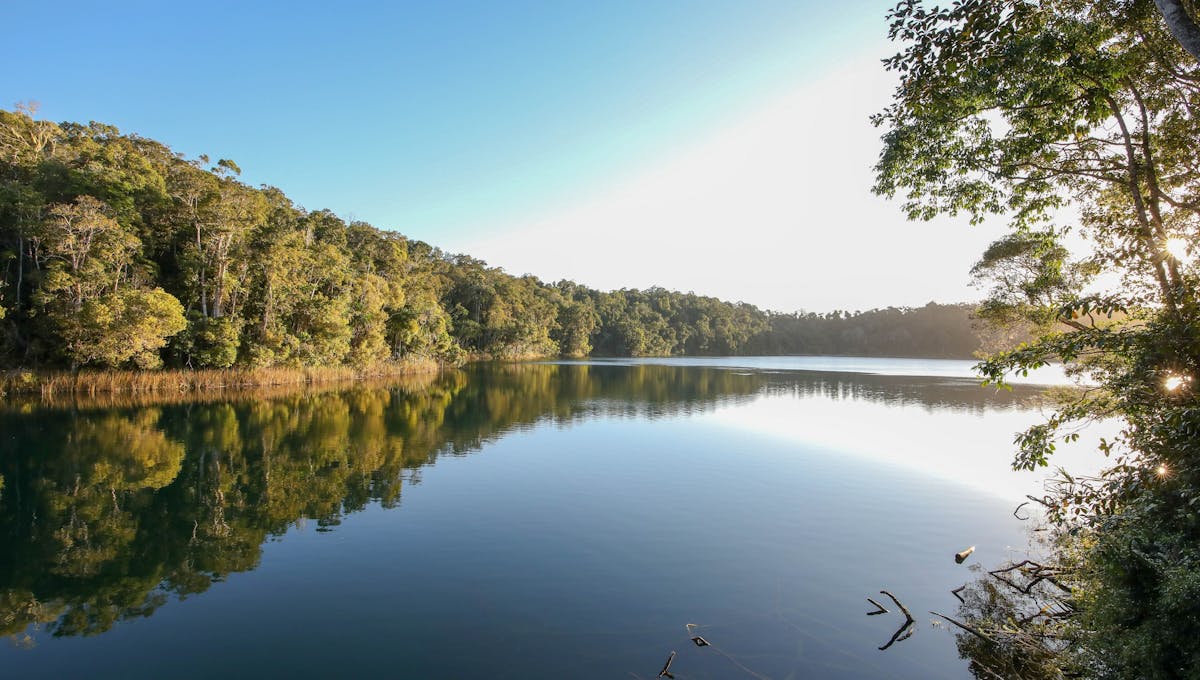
(553, 519)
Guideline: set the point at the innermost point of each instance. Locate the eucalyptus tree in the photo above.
(1077, 122)
(25, 145)
(101, 310)
(1182, 20)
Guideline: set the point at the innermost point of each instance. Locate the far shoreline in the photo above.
(27, 382)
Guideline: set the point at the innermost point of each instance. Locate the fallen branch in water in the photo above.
(906, 629)
(962, 555)
(666, 669)
(958, 590)
(907, 614)
(904, 632)
(880, 609)
(970, 629)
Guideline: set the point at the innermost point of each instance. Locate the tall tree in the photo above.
(1181, 19)
(1023, 109)
(102, 313)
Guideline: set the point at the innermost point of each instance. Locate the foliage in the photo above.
(930, 331)
(99, 227)
(130, 326)
(1078, 121)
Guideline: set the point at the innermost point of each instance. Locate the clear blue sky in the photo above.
(425, 117)
(452, 122)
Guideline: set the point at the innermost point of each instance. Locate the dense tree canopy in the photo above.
(1078, 121)
(117, 252)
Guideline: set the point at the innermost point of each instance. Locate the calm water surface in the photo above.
(513, 521)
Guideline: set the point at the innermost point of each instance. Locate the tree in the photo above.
(84, 251)
(1182, 22)
(1021, 108)
(128, 326)
(1033, 111)
(101, 314)
(92, 221)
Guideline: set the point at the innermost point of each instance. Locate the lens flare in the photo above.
(1178, 248)
(1161, 470)
(1174, 382)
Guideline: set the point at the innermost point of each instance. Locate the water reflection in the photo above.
(955, 394)
(109, 508)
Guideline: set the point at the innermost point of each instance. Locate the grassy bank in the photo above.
(51, 384)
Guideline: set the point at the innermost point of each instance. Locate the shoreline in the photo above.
(172, 384)
(50, 384)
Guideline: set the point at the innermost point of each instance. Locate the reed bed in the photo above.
(51, 385)
(23, 403)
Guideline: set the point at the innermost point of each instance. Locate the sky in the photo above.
(718, 147)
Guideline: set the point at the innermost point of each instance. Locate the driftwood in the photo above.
(907, 614)
(906, 629)
(696, 639)
(1018, 509)
(958, 590)
(904, 632)
(879, 609)
(666, 669)
(962, 555)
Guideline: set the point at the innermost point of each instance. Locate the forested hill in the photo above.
(117, 252)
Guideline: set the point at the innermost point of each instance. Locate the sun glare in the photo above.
(1174, 382)
(1178, 248)
(1161, 470)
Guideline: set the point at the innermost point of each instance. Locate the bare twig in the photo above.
(906, 630)
(958, 590)
(907, 614)
(970, 629)
(987, 670)
(666, 669)
(1044, 502)
(880, 609)
(1035, 572)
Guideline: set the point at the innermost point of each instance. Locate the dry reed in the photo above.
(164, 383)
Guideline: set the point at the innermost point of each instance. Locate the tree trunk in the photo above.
(1182, 25)
(20, 268)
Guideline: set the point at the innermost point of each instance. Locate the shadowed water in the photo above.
(527, 520)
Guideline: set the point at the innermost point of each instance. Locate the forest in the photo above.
(117, 252)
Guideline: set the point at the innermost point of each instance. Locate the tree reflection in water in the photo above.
(112, 506)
